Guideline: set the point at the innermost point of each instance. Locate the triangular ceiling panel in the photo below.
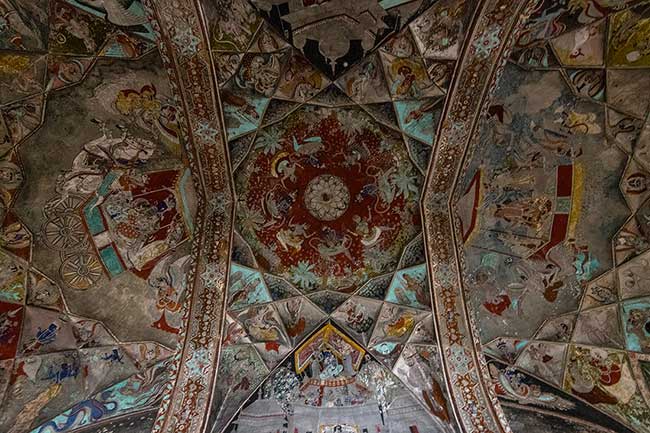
(328, 301)
(330, 372)
(358, 316)
(365, 83)
(300, 317)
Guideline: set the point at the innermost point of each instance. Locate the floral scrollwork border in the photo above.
(184, 46)
(484, 55)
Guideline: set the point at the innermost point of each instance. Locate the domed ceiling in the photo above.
(426, 216)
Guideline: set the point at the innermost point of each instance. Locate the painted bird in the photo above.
(117, 12)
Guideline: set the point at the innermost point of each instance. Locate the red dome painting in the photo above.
(328, 198)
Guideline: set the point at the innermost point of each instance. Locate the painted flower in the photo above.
(217, 203)
(488, 41)
(405, 183)
(351, 123)
(186, 42)
(198, 365)
(303, 275)
(270, 141)
(250, 220)
(212, 276)
(459, 359)
(205, 132)
(378, 260)
(436, 200)
(327, 197)
(444, 274)
(458, 133)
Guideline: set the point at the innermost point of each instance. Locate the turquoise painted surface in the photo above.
(138, 392)
(91, 211)
(111, 261)
(635, 317)
(144, 30)
(247, 287)
(409, 287)
(93, 218)
(104, 188)
(244, 119)
(418, 125)
(388, 4)
(385, 348)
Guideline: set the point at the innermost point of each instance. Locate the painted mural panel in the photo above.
(331, 113)
(96, 215)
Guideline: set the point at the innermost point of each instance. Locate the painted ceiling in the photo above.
(287, 216)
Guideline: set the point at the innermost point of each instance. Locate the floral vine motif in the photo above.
(471, 387)
(197, 366)
(457, 133)
(438, 200)
(488, 41)
(444, 274)
(187, 401)
(460, 358)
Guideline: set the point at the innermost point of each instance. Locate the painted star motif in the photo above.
(186, 42)
(212, 276)
(488, 41)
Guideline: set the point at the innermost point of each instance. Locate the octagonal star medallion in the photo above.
(328, 198)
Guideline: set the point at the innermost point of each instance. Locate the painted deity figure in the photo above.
(98, 157)
(529, 212)
(330, 365)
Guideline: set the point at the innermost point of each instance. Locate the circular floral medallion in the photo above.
(327, 197)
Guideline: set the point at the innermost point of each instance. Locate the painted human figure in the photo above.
(597, 377)
(98, 157)
(143, 228)
(357, 85)
(638, 324)
(169, 278)
(75, 23)
(357, 318)
(263, 325)
(330, 366)
(8, 323)
(526, 212)
(405, 80)
(420, 377)
(259, 73)
(296, 320)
